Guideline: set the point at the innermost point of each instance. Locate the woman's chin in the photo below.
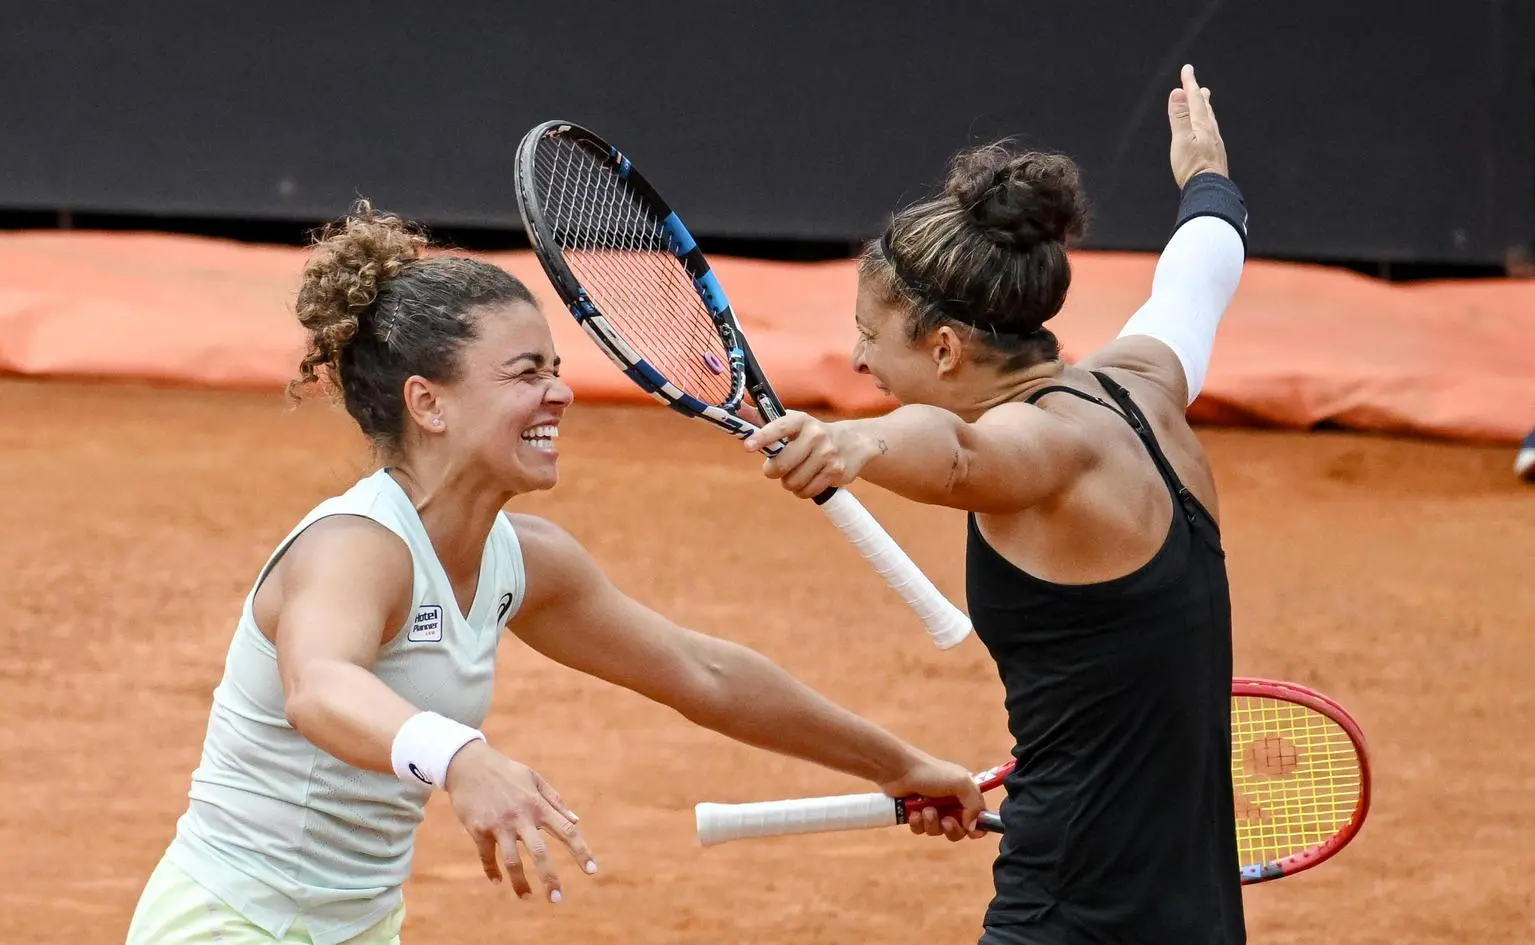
(540, 480)
(533, 477)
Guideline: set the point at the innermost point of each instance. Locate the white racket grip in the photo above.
(721, 823)
(946, 624)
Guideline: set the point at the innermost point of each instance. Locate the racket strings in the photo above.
(622, 255)
(1296, 778)
(646, 282)
(589, 214)
(619, 221)
(613, 219)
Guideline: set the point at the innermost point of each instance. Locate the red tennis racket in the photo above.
(1300, 779)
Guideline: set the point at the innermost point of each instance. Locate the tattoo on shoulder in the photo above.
(883, 446)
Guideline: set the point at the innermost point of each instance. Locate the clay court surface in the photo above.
(1392, 575)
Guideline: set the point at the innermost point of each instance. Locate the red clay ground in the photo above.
(1393, 575)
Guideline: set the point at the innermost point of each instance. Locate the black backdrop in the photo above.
(1360, 129)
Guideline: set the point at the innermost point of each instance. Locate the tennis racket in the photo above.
(1300, 780)
(634, 278)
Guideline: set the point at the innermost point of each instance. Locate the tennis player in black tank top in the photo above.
(1095, 572)
(1119, 818)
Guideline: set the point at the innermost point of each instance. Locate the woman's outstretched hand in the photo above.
(1197, 147)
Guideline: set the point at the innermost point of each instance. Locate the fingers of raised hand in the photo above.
(1215, 126)
(1190, 86)
(1197, 99)
(1178, 107)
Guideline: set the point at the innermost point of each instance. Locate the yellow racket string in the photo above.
(1296, 778)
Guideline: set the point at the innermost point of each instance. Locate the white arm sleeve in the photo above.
(1195, 279)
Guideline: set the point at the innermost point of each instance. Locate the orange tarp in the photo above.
(1300, 345)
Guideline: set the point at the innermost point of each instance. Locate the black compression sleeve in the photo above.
(1213, 195)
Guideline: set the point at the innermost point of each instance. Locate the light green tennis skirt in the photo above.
(174, 910)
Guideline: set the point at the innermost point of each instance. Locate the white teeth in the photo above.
(542, 437)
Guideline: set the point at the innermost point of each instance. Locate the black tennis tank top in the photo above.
(1118, 818)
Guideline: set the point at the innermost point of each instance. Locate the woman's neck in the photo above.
(456, 508)
(985, 389)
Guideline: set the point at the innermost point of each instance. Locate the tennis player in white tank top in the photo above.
(362, 664)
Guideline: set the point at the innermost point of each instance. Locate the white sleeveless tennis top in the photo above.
(283, 831)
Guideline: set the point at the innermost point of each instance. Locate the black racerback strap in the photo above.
(1127, 409)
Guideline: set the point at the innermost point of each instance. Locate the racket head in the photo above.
(631, 274)
(1300, 777)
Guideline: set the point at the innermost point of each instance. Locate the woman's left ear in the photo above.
(947, 352)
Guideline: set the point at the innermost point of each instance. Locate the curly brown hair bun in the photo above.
(379, 310)
(350, 259)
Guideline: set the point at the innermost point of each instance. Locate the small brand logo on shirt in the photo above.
(427, 627)
(505, 605)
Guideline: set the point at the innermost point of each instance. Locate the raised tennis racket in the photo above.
(635, 280)
(1300, 775)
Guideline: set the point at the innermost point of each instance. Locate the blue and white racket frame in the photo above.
(946, 624)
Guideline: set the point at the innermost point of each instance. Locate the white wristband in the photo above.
(425, 744)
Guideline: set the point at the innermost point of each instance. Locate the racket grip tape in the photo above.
(946, 624)
(721, 823)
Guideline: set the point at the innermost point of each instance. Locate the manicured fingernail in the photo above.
(572, 816)
(591, 866)
(554, 896)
